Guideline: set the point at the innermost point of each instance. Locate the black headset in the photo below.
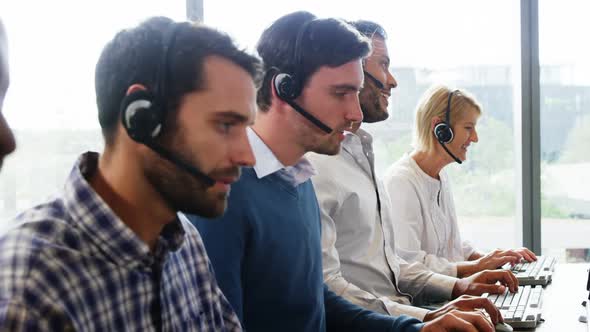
(443, 131)
(289, 85)
(143, 112)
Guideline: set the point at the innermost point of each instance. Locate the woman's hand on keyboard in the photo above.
(460, 321)
(486, 282)
(467, 303)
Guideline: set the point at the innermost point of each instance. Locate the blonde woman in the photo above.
(423, 210)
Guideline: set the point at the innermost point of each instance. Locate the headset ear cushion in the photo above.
(443, 133)
(286, 86)
(140, 116)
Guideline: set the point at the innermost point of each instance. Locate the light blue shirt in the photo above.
(267, 163)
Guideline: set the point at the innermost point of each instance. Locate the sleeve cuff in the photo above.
(418, 327)
(440, 286)
(452, 270)
(468, 249)
(397, 309)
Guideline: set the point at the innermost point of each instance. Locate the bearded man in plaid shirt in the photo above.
(113, 252)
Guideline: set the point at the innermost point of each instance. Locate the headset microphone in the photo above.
(451, 154)
(180, 163)
(443, 131)
(375, 81)
(143, 125)
(143, 113)
(284, 85)
(310, 117)
(288, 86)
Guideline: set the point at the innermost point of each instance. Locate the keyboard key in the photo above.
(521, 308)
(533, 273)
(516, 297)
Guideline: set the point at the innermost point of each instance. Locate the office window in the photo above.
(431, 42)
(456, 45)
(565, 128)
(53, 48)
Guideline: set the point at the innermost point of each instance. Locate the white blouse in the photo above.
(424, 219)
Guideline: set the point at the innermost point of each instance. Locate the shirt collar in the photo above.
(108, 232)
(361, 139)
(433, 185)
(298, 173)
(267, 163)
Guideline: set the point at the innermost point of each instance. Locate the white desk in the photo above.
(562, 300)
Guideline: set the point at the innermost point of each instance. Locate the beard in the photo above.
(181, 190)
(310, 139)
(330, 146)
(369, 99)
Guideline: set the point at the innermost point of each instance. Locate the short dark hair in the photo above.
(135, 55)
(369, 28)
(326, 42)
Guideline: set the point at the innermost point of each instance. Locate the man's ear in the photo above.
(135, 87)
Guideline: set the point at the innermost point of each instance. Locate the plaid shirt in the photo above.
(72, 264)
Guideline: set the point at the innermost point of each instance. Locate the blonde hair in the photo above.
(433, 103)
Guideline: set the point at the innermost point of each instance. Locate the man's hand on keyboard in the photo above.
(460, 321)
(490, 261)
(526, 254)
(485, 282)
(467, 303)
